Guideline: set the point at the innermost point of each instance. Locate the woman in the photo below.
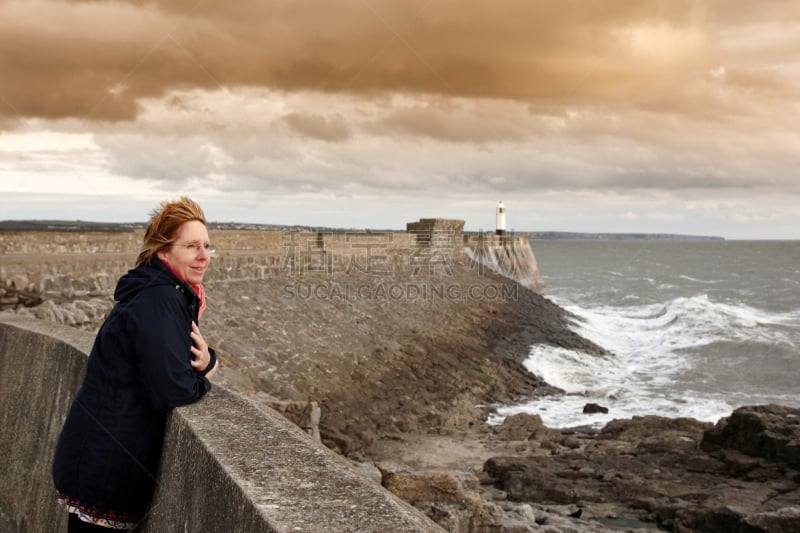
(148, 357)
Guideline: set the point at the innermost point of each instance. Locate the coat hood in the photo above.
(142, 277)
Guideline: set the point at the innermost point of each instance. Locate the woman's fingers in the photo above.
(199, 350)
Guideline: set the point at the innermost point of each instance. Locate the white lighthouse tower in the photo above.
(501, 219)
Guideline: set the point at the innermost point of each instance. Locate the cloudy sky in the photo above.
(580, 115)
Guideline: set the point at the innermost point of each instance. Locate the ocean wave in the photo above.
(693, 333)
(626, 387)
(689, 356)
(683, 322)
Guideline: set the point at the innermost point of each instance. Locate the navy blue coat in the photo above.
(108, 452)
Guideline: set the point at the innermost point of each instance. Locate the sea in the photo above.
(696, 328)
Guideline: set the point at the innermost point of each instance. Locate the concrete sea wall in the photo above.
(509, 255)
(228, 465)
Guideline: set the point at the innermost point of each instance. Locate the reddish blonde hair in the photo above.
(165, 221)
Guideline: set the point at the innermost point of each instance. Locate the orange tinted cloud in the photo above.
(97, 60)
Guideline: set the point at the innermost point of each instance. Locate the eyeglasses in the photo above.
(195, 247)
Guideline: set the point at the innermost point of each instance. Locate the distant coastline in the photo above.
(574, 236)
(66, 225)
(84, 225)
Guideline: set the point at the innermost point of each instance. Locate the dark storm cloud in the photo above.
(97, 60)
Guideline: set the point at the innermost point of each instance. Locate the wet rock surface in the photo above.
(675, 474)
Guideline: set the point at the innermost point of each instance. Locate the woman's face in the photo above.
(190, 253)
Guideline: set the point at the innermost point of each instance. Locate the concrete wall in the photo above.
(39, 375)
(510, 255)
(228, 465)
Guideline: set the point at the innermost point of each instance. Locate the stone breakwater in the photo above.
(384, 332)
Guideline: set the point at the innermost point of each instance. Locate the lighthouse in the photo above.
(501, 219)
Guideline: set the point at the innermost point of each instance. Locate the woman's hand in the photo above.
(201, 358)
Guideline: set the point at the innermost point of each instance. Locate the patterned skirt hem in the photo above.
(112, 523)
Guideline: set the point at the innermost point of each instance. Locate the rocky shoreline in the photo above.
(740, 475)
(401, 372)
(676, 474)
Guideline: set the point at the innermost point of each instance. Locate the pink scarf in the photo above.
(196, 287)
(201, 293)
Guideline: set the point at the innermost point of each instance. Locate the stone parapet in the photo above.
(437, 232)
(228, 464)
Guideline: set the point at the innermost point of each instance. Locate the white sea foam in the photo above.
(684, 322)
(654, 369)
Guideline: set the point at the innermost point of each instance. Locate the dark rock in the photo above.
(768, 431)
(640, 428)
(12, 298)
(576, 514)
(521, 426)
(655, 470)
(449, 498)
(718, 519)
(786, 520)
(590, 408)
